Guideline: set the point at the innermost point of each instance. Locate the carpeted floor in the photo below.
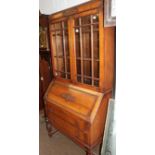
(58, 144)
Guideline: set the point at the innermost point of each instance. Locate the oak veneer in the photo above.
(83, 69)
(77, 112)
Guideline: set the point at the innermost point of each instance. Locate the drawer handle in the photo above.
(67, 97)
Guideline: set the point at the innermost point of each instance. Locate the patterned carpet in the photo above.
(58, 144)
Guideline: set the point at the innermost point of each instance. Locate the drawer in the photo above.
(67, 128)
(68, 117)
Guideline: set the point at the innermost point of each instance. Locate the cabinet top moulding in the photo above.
(90, 5)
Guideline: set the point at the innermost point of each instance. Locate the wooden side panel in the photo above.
(101, 51)
(97, 128)
(109, 42)
(45, 74)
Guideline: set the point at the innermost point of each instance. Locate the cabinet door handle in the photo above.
(41, 78)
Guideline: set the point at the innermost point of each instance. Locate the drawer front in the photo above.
(67, 128)
(68, 117)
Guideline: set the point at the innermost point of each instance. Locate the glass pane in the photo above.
(86, 42)
(87, 68)
(68, 76)
(96, 69)
(85, 20)
(95, 27)
(87, 81)
(78, 63)
(79, 78)
(59, 43)
(96, 83)
(96, 43)
(77, 22)
(77, 42)
(65, 24)
(61, 64)
(66, 43)
(63, 75)
(68, 65)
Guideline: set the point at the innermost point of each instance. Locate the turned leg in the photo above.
(89, 152)
(49, 128)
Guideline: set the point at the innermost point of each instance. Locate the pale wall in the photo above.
(52, 6)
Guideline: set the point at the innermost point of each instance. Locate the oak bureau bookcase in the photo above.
(83, 67)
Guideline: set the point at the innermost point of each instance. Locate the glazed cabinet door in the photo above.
(60, 49)
(78, 50)
(86, 31)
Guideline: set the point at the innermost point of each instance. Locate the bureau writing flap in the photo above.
(79, 101)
